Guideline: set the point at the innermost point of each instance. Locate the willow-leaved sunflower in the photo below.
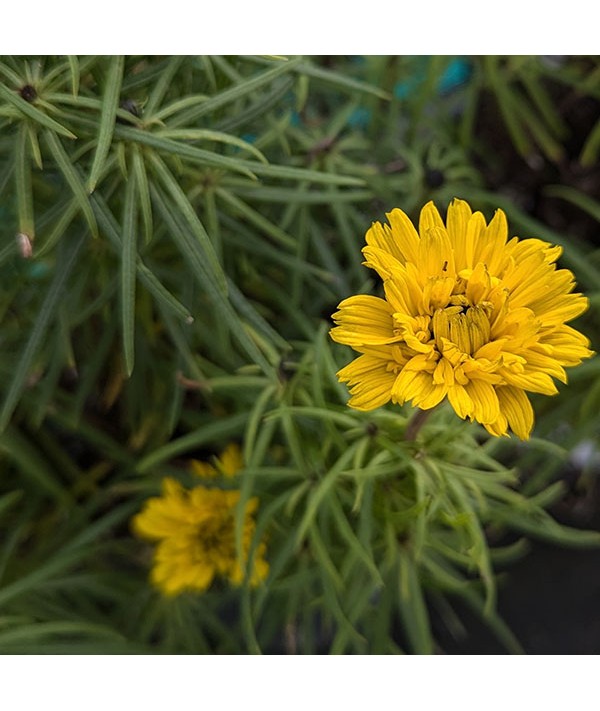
(468, 315)
(195, 535)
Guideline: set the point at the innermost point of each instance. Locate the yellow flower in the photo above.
(468, 315)
(195, 533)
(228, 464)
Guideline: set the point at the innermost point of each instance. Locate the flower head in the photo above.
(468, 315)
(195, 532)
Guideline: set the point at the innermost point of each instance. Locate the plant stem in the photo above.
(416, 422)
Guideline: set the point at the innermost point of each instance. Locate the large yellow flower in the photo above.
(195, 533)
(468, 315)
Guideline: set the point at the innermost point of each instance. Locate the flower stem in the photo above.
(416, 422)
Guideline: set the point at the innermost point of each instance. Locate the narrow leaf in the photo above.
(75, 73)
(111, 229)
(141, 180)
(162, 294)
(257, 108)
(73, 179)
(193, 255)
(36, 335)
(340, 80)
(128, 270)
(218, 429)
(34, 144)
(33, 113)
(412, 606)
(576, 197)
(197, 155)
(23, 185)
(32, 464)
(110, 103)
(162, 85)
(591, 147)
(255, 218)
(244, 88)
(208, 255)
(201, 134)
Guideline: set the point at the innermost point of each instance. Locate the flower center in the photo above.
(215, 535)
(467, 327)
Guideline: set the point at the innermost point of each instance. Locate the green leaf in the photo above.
(239, 91)
(253, 317)
(9, 499)
(255, 418)
(110, 104)
(246, 167)
(23, 184)
(509, 108)
(141, 179)
(209, 282)
(34, 144)
(341, 81)
(175, 106)
(202, 134)
(258, 108)
(11, 75)
(67, 215)
(224, 428)
(321, 490)
(32, 464)
(207, 257)
(255, 218)
(73, 180)
(413, 610)
(576, 197)
(266, 193)
(35, 114)
(589, 152)
(539, 524)
(337, 79)
(162, 85)
(197, 155)
(162, 294)
(128, 273)
(38, 633)
(147, 277)
(39, 575)
(285, 172)
(75, 73)
(46, 313)
(551, 147)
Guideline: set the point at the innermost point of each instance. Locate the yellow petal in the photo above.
(364, 320)
(493, 242)
(460, 401)
(436, 257)
(515, 406)
(486, 407)
(457, 220)
(370, 382)
(429, 218)
(404, 235)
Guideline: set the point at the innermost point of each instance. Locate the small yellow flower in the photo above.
(195, 535)
(228, 464)
(468, 315)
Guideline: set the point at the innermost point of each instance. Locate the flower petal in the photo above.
(364, 320)
(515, 406)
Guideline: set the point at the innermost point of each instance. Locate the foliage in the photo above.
(185, 228)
